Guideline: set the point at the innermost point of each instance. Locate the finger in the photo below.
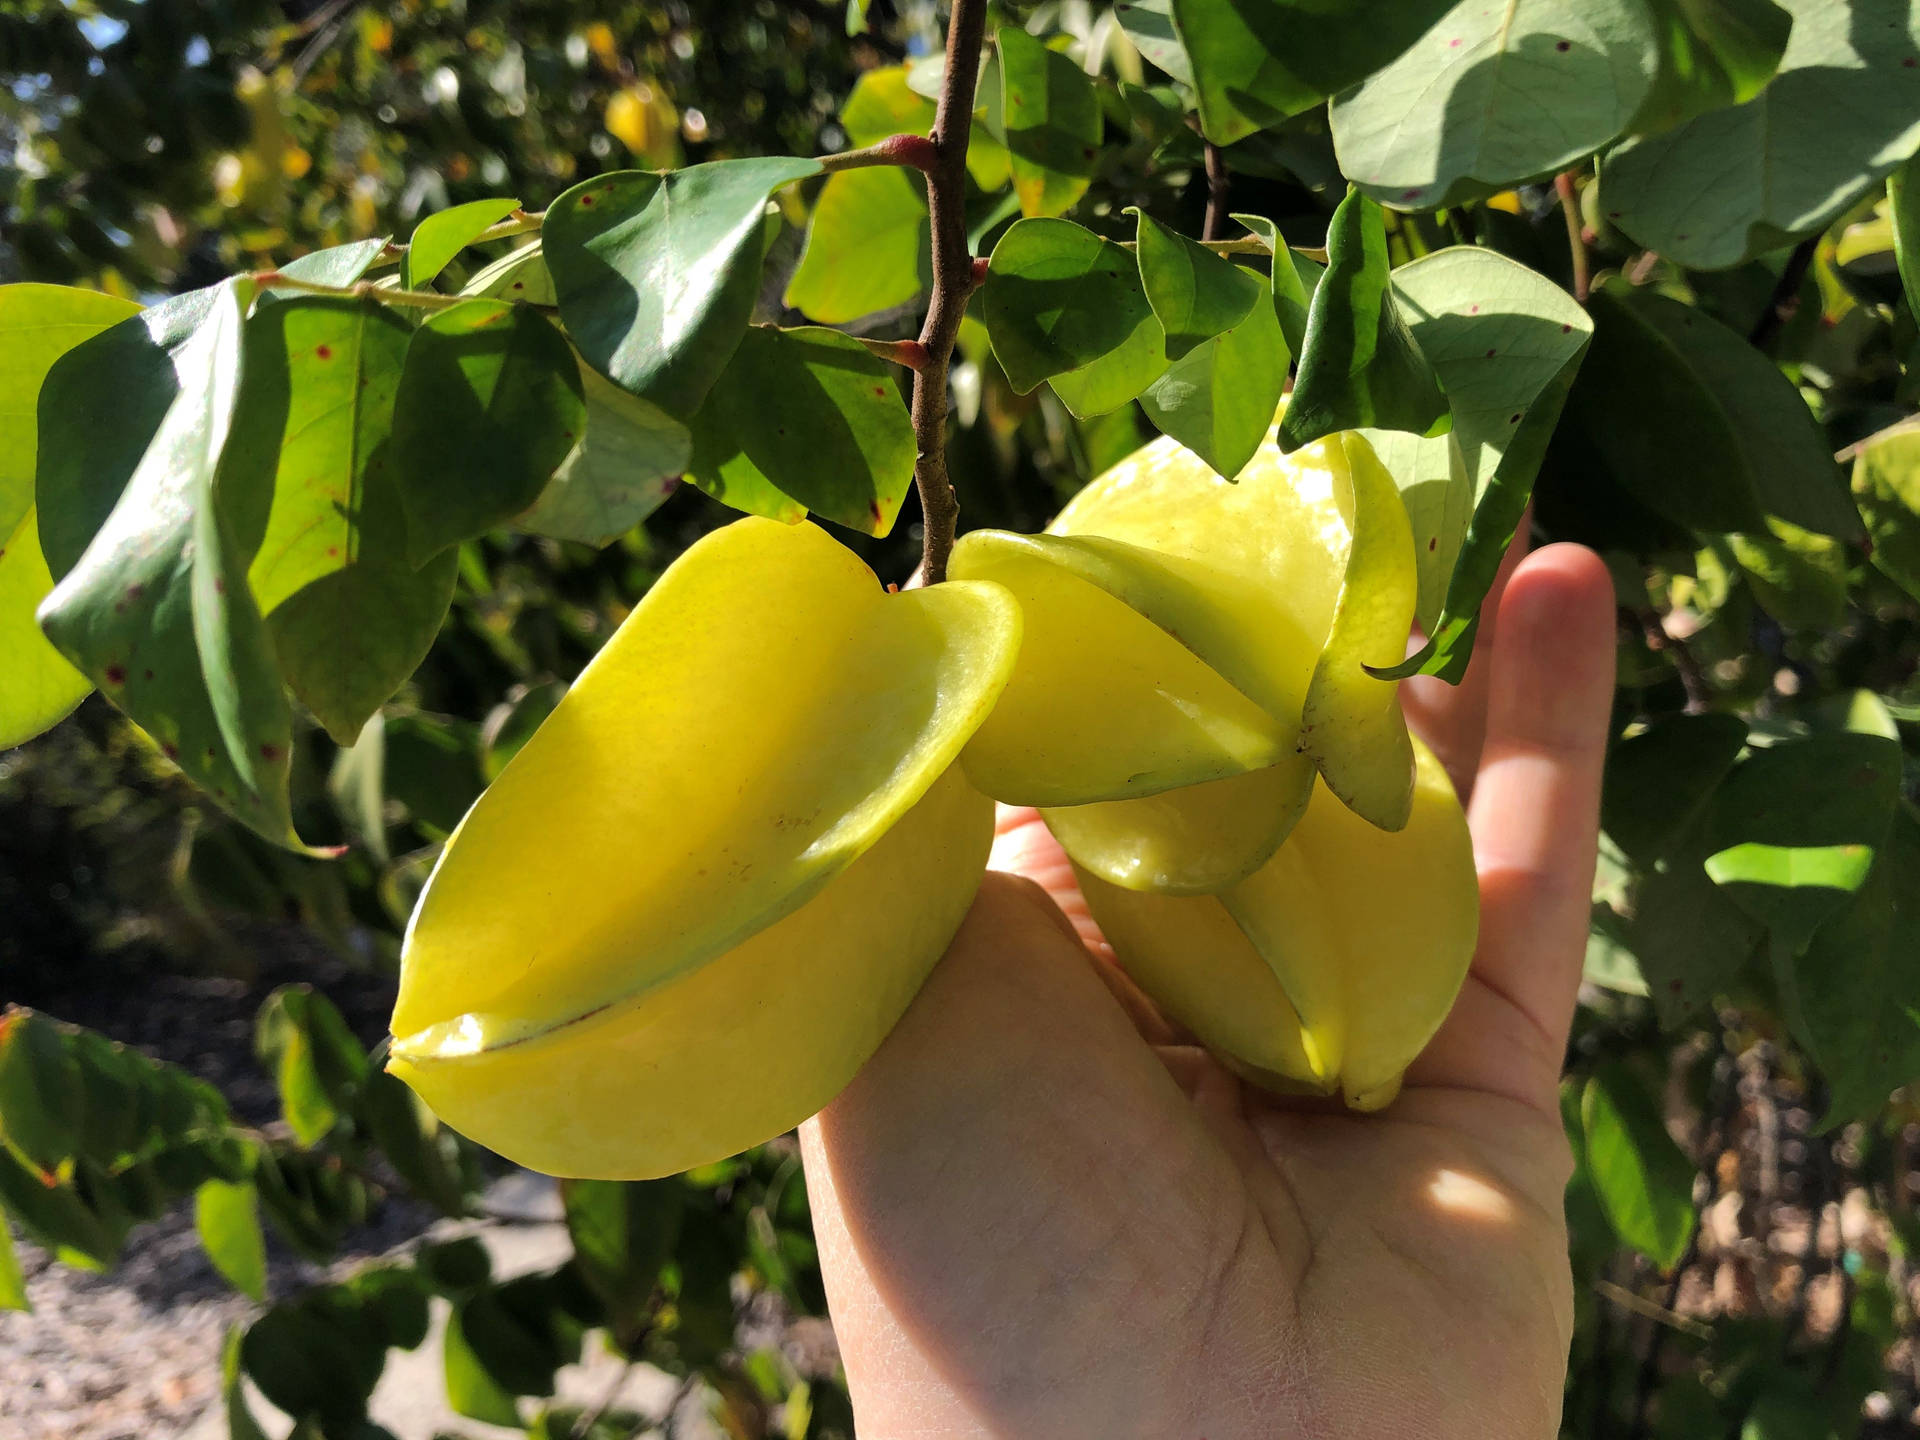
(1452, 719)
(1022, 845)
(1535, 822)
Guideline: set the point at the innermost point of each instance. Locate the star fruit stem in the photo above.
(953, 282)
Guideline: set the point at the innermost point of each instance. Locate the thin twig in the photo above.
(1576, 235)
(521, 222)
(953, 282)
(363, 290)
(1219, 183)
(1693, 679)
(1642, 268)
(1785, 300)
(1638, 1304)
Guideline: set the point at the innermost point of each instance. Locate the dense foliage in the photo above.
(1650, 265)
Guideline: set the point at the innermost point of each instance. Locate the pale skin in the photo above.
(1042, 1212)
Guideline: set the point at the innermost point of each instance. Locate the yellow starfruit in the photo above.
(1331, 966)
(699, 897)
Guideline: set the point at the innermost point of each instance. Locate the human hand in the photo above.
(1042, 1212)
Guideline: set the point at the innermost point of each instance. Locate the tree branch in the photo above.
(1785, 300)
(1219, 183)
(953, 282)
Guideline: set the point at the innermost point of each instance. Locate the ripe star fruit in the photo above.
(700, 896)
(1330, 967)
(1195, 652)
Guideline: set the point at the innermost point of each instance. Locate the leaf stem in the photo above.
(953, 282)
(364, 290)
(1576, 235)
(915, 151)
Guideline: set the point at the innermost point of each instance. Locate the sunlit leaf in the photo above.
(227, 1217)
(1194, 293)
(444, 234)
(1713, 53)
(869, 246)
(1052, 123)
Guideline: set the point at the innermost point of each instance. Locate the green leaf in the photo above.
(1219, 399)
(488, 407)
(1859, 1000)
(656, 274)
(315, 1357)
(1494, 95)
(41, 1098)
(518, 275)
(316, 1063)
(625, 465)
(335, 265)
(1292, 294)
(623, 1233)
(422, 1152)
(1506, 344)
(812, 416)
(471, 1390)
(1359, 365)
(1256, 64)
(1800, 577)
(443, 235)
(1795, 827)
(1659, 782)
(227, 1217)
(38, 324)
(1903, 214)
(1644, 1180)
(157, 612)
(1720, 440)
(501, 1344)
(1059, 298)
(883, 103)
(1713, 53)
(1052, 123)
(1195, 294)
(13, 1285)
(1886, 487)
(869, 246)
(1732, 184)
(1149, 24)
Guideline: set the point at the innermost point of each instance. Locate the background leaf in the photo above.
(1886, 487)
(656, 274)
(1052, 123)
(38, 324)
(868, 246)
(227, 1218)
(813, 415)
(1842, 112)
(490, 393)
(1713, 53)
(1643, 1179)
(1494, 95)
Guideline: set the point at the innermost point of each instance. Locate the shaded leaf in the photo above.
(444, 234)
(1800, 577)
(1903, 214)
(1194, 293)
(1659, 782)
(1731, 184)
(1219, 399)
(227, 1218)
(38, 324)
(1494, 95)
(1713, 53)
(518, 275)
(1858, 987)
(423, 1152)
(869, 246)
(1359, 365)
(1886, 487)
(1720, 440)
(656, 274)
(1051, 126)
(488, 407)
(241, 1424)
(626, 463)
(1149, 24)
(1506, 344)
(809, 415)
(1256, 64)
(1058, 298)
(313, 1357)
(1292, 294)
(335, 265)
(317, 1065)
(1643, 1179)
(623, 1233)
(157, 611)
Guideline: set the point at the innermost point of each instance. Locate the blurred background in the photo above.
(151, 146)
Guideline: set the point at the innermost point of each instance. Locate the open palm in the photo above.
(1042, 1212)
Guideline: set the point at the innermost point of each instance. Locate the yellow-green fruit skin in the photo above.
(740, 1050)
(698, 898)
(1331, 966)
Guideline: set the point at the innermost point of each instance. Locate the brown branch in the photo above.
(1219, 183)
(953, 282)
(1693, 679)
(1576, 235)
(1785, 300)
